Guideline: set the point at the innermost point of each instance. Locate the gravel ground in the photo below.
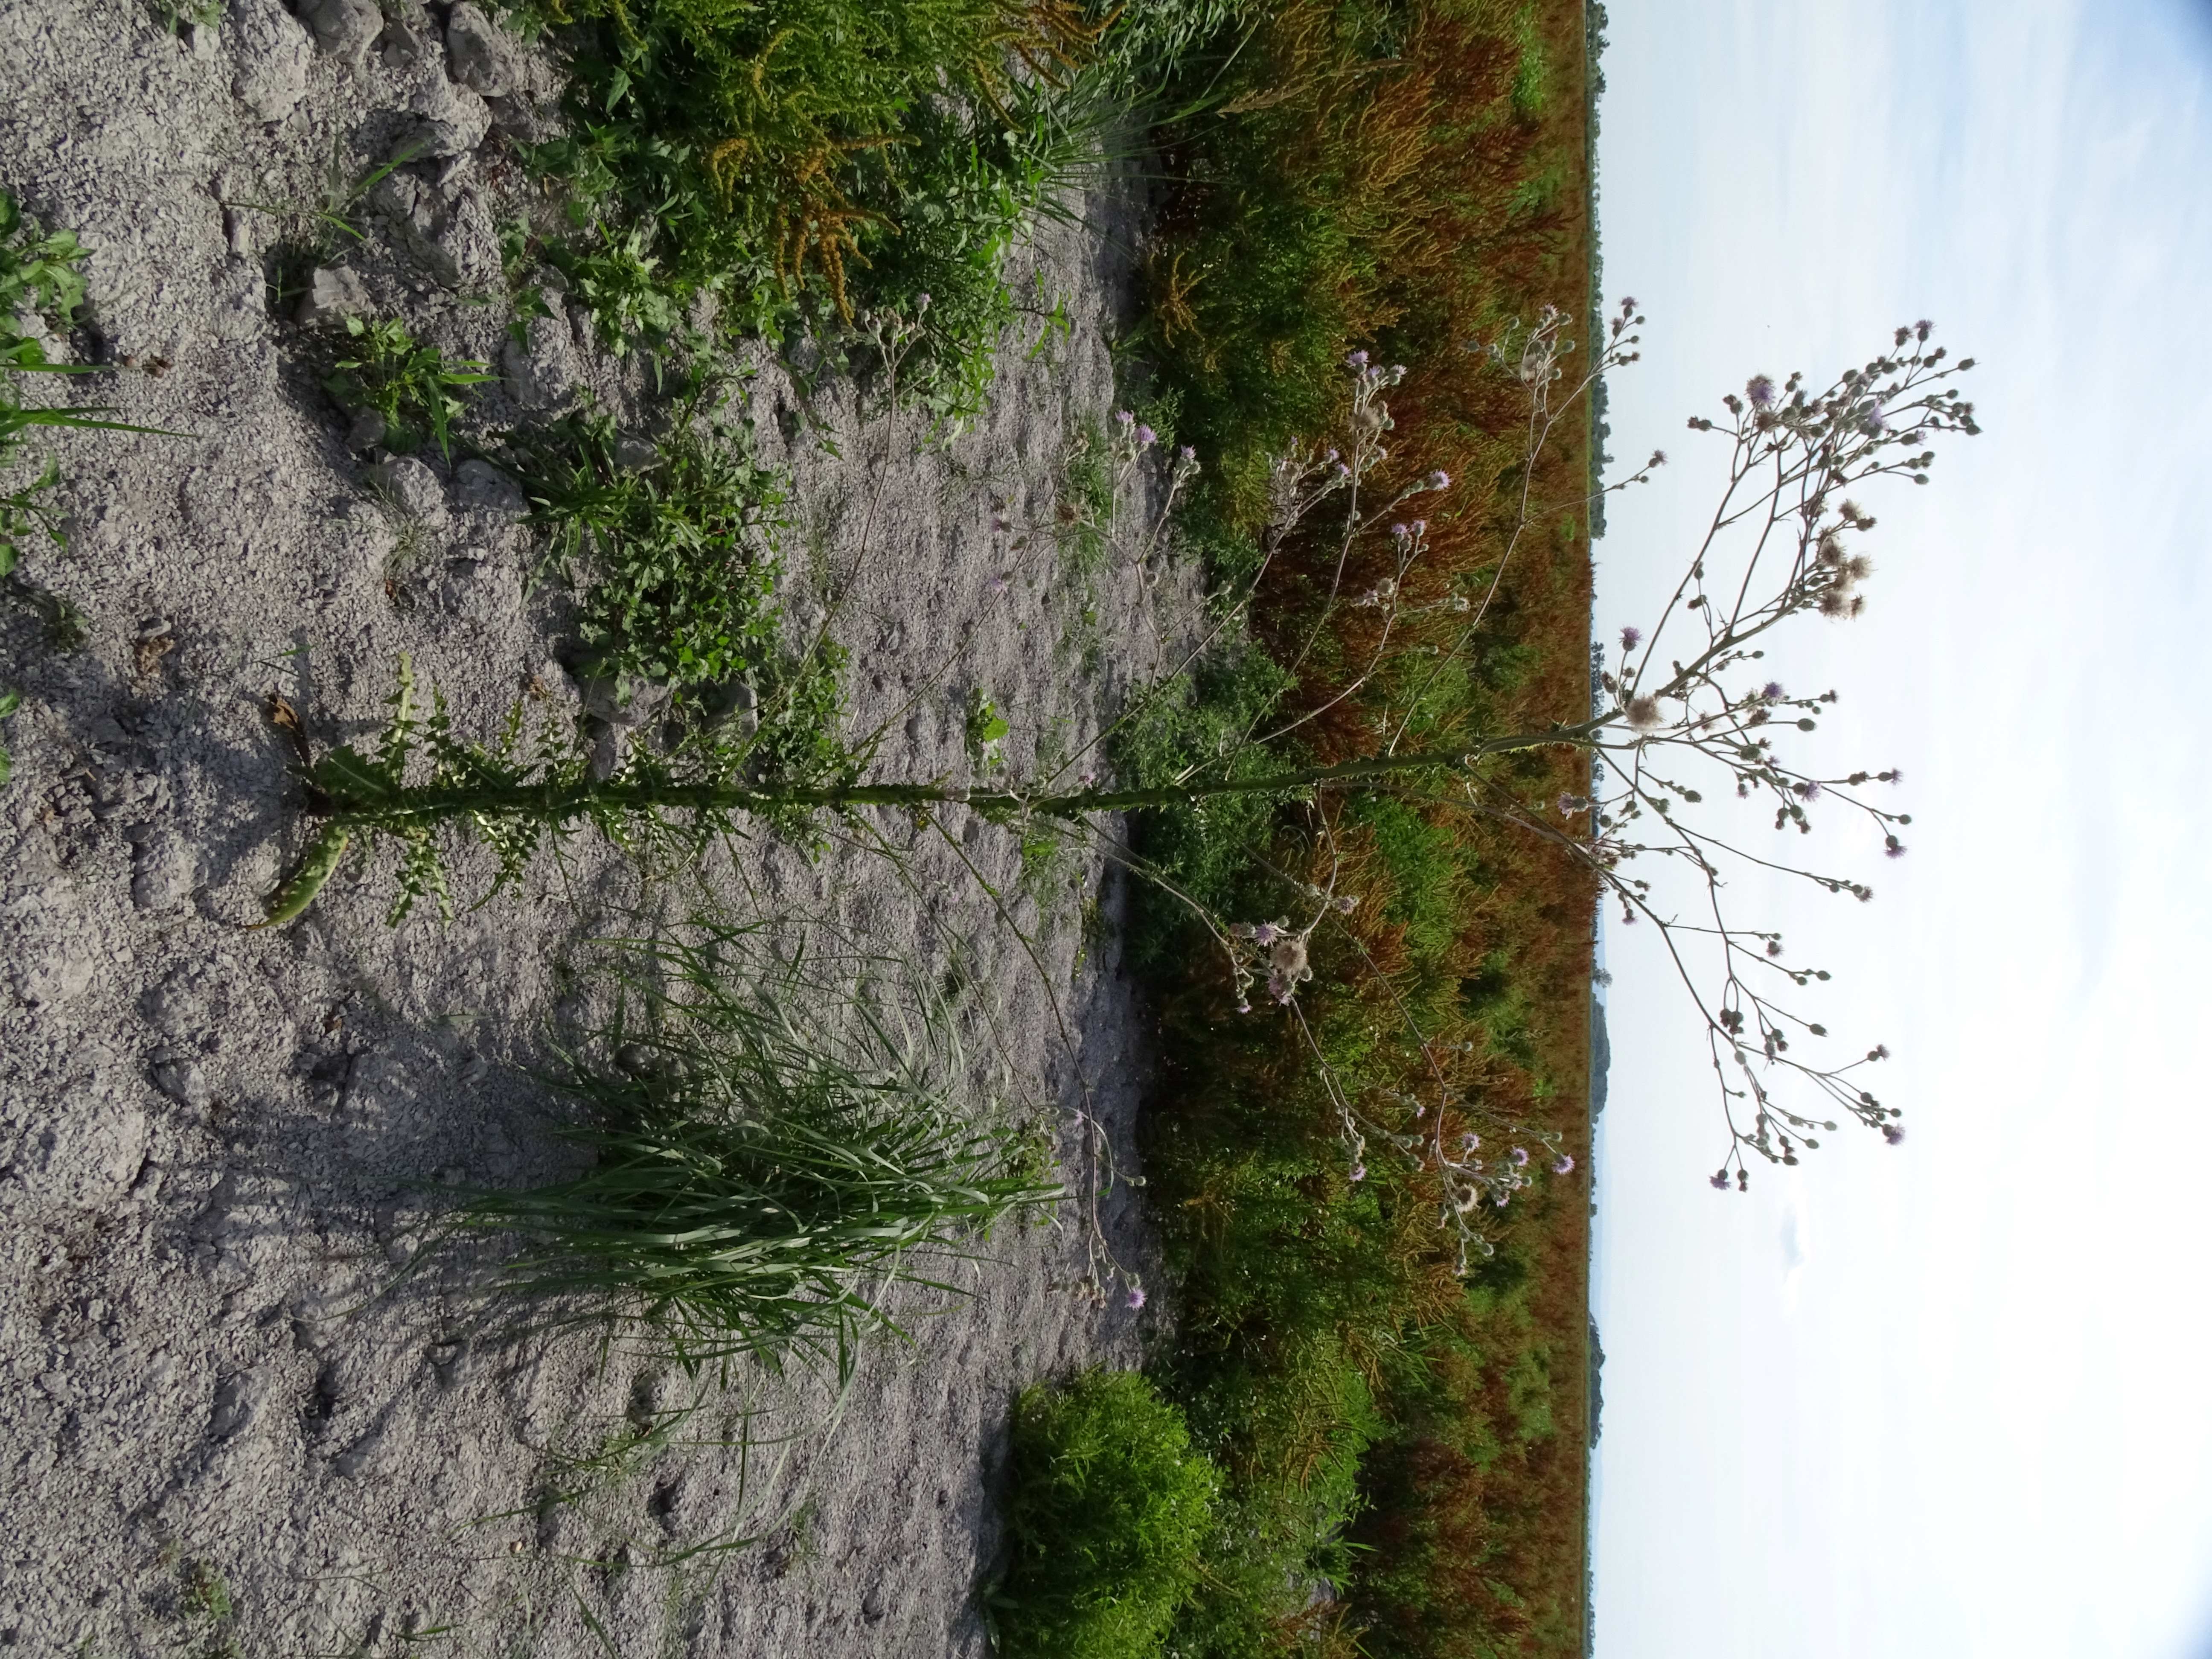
(217, 1145)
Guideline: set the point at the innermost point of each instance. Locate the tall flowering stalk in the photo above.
(1693, 705)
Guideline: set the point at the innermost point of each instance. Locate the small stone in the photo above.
(57, 978)
(344, 29)
(483, 487)
(453, 237)
(624, 703)
(238, 1400)
(635, 453)
(873, 1606)
(367, 432)
(272, 51)
(409, 485)
(449, 121)
(478, 55)
(356, 1457)
(163, 871)
(188, 1005)
(542, 369)
(183, 1082)
(407, 41)
(333, 294)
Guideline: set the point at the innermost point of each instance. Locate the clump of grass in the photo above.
(1111, 1510)
(39, 279)
(413, 388)
(773, 1153)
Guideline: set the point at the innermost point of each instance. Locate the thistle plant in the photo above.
(1783, 547)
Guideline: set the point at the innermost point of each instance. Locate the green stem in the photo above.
(431, 804)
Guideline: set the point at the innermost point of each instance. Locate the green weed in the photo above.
(38, 280)
(986, 730)
(413, 387)
(672, 550)
(672, 546)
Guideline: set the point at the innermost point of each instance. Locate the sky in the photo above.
(1953, 1397)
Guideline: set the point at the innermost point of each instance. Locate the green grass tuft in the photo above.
(774, 1151)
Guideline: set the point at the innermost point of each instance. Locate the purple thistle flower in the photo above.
(1188, 453)
(1265, 933)
(1631, 638)
(1147, 436)
(1359, 1172)
(1807, 790)
(921, 300)
(996, 586)
(1772, 691)
(1469, 1141)
(1760, 390)
(1565, 1164)
(1421, 526)
(1136, 1297)
(1893, 1133)
(1123, 417)
(1438, 479)
(1520, 1155)
(1719, 1182)
(1355, 360)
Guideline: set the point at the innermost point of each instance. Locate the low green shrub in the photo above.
(1110, 1512)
